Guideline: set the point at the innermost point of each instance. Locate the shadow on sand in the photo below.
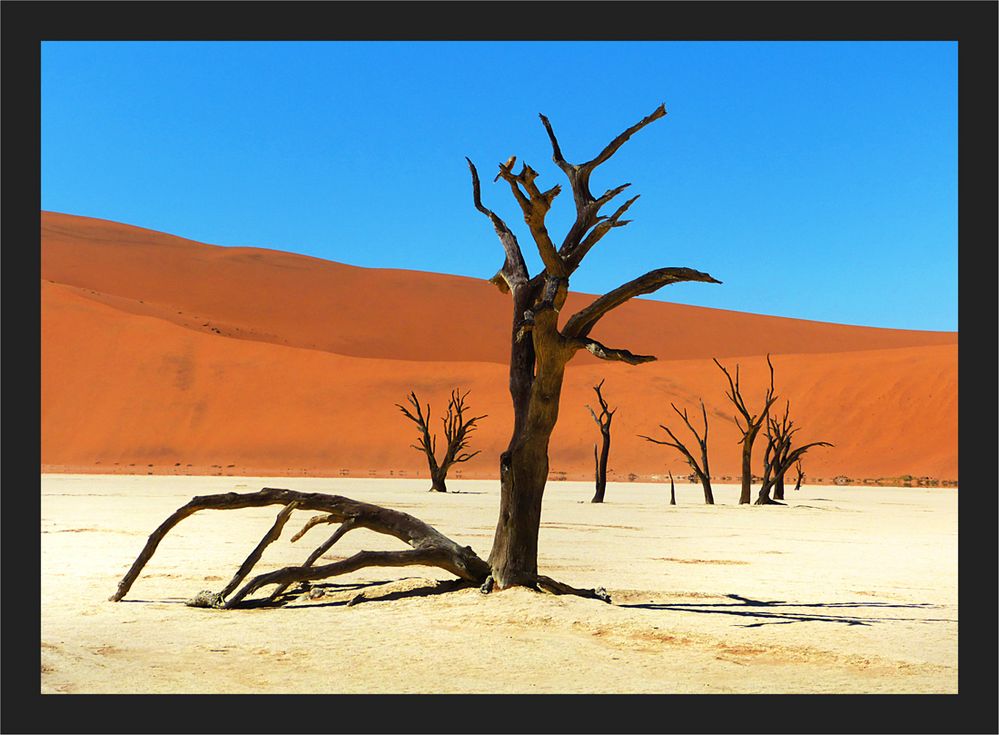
(747, 607)
(428, 589)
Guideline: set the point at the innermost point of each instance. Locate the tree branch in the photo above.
(574, 253)
(676, 444)
(580, 323)
(535, 205)
(254, 557)
(587, 207)
(360, 560)
(514, 270)
(339, 533)
(426, 443)
(608, 353)
(620, 140)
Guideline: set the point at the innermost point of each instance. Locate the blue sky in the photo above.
(816, 180)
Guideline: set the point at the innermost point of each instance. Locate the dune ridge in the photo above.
(163, 355)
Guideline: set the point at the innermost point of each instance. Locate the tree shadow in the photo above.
(165, 601)
(286, 597)
(748, 607)
(431, 588)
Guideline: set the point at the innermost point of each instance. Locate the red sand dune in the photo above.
(161, 354)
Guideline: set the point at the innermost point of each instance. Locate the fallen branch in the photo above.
(430, 547)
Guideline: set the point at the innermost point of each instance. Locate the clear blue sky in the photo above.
(817, 180)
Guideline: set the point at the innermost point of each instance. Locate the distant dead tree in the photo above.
(777, 450)
(603, 420)
(672, 489)
(701, 471)
(779, 456)
(801, 475)
(754, 422)
(457, 427)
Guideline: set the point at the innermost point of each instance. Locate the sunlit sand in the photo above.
(845, 590)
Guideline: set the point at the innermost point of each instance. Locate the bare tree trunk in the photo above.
(603, 420)
(598, 496)
(753, 422)
(746, 497)
(514, 555)
(672, 490)
(764, 496)
(438, 482)
(524, 465)
(779, 487)
(540, 349)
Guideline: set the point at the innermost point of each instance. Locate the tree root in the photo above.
(561, 588)
(552, 586)
(768, 501)
(429, 548)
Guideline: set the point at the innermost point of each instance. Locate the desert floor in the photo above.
(845, 590)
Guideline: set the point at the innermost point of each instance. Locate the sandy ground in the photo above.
(846, 590)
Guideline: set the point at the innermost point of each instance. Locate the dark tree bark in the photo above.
(457, 427)
(700, 470)
(753, 423)
(779, 456)
(672, 490)
(539, 348)
(778, 447)
(603, 420)
(801, 475)
(779, 488)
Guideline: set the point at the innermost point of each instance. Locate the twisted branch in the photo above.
(513, 274)
(580, 323)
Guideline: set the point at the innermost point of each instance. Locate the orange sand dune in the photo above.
(161, 354)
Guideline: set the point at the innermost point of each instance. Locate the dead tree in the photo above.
(672, 489)
(782, 450)
(701, 471)
(539, 353)
(540, 349)
(801, 475)
(754, 422)
(603, 420)
(779, 456)
(457, 427)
